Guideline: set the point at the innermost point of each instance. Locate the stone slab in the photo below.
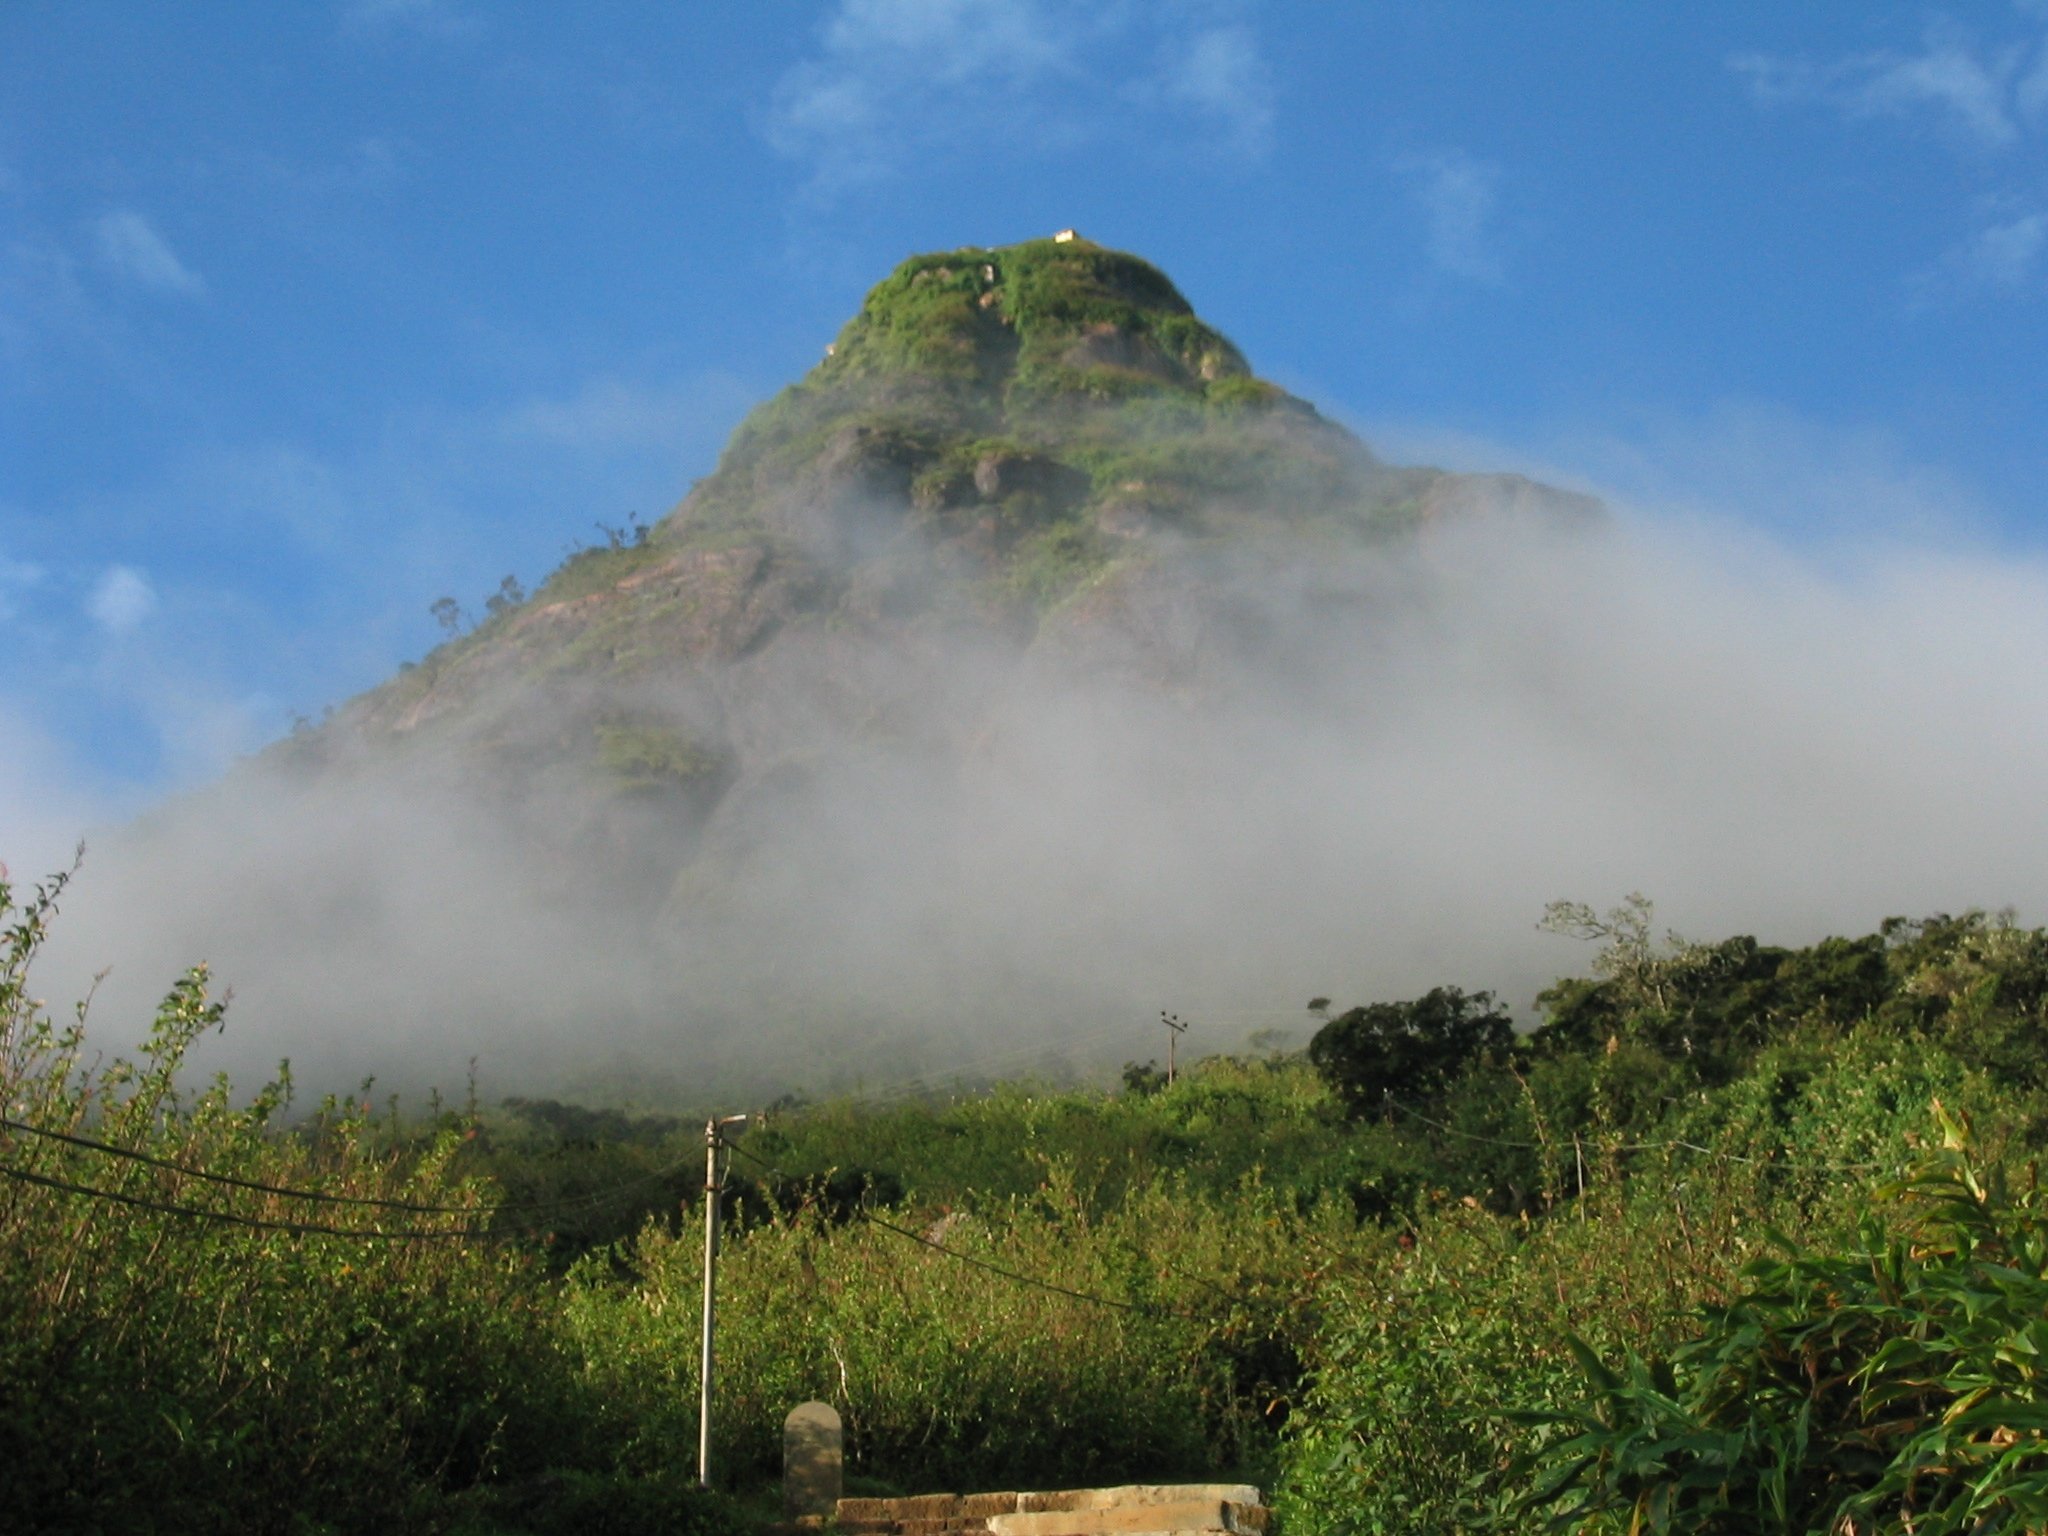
(979, 1506)
(1137, 1494)
(1137, 1519)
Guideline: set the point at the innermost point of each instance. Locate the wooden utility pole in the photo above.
(1176, 1028)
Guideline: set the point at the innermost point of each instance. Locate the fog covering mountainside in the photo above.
(1027, 667)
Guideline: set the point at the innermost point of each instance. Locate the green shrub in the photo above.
(1898, 1384)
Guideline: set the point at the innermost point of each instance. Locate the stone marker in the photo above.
(812, 1461)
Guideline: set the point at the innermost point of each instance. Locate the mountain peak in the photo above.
(1037, 320)
(1010, 395)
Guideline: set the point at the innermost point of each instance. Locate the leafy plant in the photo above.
(1901, 1385)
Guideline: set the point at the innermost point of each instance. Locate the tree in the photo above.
(448, 614)
(1143, 1078)
(510, 595)
(1409, 1052)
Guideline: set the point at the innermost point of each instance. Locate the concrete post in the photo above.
(813, 1462)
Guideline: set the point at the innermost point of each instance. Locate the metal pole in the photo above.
(711, 1193)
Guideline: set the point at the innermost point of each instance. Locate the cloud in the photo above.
(121, 600)
(44, 812)
(1219, 74)
(609, 413)
(2002, 256)
(16, 577)
(427, 18)
(1458, 196)
(1810, 485)
(2032, 93)
(886, 69)
(893, 80)
(129, 246)
(1974, 93)
(1371, 773)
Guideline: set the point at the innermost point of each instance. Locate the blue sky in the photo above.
(310, 314)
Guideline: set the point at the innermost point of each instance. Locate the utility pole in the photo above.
(718, 1134)
(1177, 1028)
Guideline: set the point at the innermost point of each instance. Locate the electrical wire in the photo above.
(1010, 1274)
(235, 1218)
(1143, 1308)
(563, 1205)
(1638, 1146)
(256, 1186)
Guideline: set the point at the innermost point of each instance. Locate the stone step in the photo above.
(1137, 1495)
(1231, 1517)
(1138, 1509)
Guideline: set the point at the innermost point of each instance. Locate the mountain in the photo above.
(986, 674)
(1028, 450)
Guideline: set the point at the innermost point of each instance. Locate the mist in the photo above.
(1242, 780)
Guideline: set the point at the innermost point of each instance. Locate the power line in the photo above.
(256, 1186)
(560, 1205)
(1022, 1279)
(233, 1218)
(1143, 1308)
(1639, 1146)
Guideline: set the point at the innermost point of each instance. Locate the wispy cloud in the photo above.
(1458, 196)
(428, 18)
(16, 577)
(129, 247)
(611, 413)
(892, 80)
(1220, 74)
(121, 600)
(1989, 97)
(2003, 256)
(1980, 94)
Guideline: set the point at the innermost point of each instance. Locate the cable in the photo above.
(560, 1205)
(1011, 1274)
(232, 1218)
(1635, 1146)
(1143, 1308)
(254, 1185)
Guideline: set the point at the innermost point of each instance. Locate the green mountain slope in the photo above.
(1013, 443)
(1016, 663)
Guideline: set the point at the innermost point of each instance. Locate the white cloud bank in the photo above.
(1415, 751)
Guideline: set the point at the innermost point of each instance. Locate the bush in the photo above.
(1898, 1384)
(167, 1370)
(1407, 1052)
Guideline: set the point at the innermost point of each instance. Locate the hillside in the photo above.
(987, 677)
(1018, 472)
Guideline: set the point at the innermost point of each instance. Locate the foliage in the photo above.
(1407, 1052)
(1898, 1384)
(947, 1375)
(1237, 1274)
(164, 1371)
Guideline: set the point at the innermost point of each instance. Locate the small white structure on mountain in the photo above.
(1064, 236)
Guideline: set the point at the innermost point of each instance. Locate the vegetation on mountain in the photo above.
(996, 431)
(1598, 1277)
